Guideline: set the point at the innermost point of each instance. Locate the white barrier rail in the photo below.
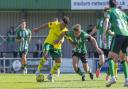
(6, 64)
(66, 66)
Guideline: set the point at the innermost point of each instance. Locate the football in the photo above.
(40, 78)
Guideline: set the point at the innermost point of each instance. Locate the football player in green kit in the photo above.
(78, 38)
(104, 44)
(23, 37)
(119, 24)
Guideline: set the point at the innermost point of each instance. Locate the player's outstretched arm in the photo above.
(60, 37)
(99, 51)
(30, 36)
(71, 42)
(94, 43)
(17, 36)
(40, 28)
(106, 24)
(94, 30)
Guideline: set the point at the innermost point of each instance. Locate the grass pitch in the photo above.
(65, 81)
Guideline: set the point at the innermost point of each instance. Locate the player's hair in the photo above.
(23, 20)
(120, 7)
(106, 9)
(76, 27)
(66, 20)
(112, 3)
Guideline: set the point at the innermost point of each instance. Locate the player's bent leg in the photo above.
(56, 55)
(123, 60)
(111, 58)
(125, 67)
(54, 69)
(115, 71)
(47, 47)
(56, 66)
(75, 63)
(108, 74)
(88, 70)
(42, 62)
(24, 66)
(102, 60)
(113, 79)
(86, 66)
(23, 60)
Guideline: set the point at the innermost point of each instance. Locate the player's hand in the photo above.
(56, 41)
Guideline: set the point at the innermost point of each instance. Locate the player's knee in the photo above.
(57, 60)
(102, 59)
(45, 55)
(84, 61)
(100, 52)
(42, 61)
(112, 55)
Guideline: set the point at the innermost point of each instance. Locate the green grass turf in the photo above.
(65, 81)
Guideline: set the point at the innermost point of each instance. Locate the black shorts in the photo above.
(119, 42)
(106, 51)
(23, 52)
(81, 56)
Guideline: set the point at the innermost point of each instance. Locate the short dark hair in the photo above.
(66, 20)
(120, 7)
(112, 3)
(106, 9)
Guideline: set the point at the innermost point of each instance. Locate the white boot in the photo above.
(112, 81)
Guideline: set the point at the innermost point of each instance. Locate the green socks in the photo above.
(125, 68)
(79, 71)
(111, 66)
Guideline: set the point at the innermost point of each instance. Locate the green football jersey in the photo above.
(23, 35)
(119, 21)
(105, 44)
(79, 42)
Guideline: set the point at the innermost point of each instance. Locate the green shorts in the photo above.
(119, 43)
(55, 53)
